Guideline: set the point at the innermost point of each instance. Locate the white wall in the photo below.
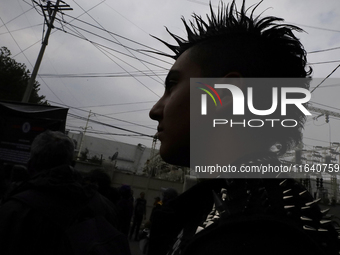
(130, 157)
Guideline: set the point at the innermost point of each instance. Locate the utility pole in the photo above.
(52, 12)
(152, 164)
(82, 137)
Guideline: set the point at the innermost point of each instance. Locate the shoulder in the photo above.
(13, 209)
(261, 215)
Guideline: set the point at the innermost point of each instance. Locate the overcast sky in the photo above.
(86, 52)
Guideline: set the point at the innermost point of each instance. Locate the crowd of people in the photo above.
(52, 209)
(49, 197)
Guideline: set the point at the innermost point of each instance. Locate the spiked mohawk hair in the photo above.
(258, 34)
(235, 40)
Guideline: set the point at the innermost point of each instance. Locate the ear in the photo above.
(235, 78)
(233, 74)
(227, 95)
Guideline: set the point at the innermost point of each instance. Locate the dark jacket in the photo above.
(34, 227)
(259, 216)
(140, 208)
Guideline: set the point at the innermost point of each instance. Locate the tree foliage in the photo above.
(14, 78)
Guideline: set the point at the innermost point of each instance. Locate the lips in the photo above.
(159, 132)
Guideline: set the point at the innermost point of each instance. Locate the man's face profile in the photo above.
(172, 111)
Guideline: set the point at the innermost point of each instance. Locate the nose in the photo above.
(156, 111)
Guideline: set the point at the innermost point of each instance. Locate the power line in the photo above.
(123, 37)
(326, 106)
(139, 110)
(103, 75)
(133, 76)
(103, 115)
(317, 51)
(328, 86)
(16, 30)
(102, 50)
(104, 105)
(94, 131)
(52, 10)
(28, 47)
(22, 51)
(144, 85)
(319, 28)
(109, 125)
(127, 48)
(325, 78)
(107, 56)
(16, 17)
(27, 58)
(325, 62)
(127, 19)
(103, 127)
(102, 37)
(101, 45)
(16, 42)
(54, 30)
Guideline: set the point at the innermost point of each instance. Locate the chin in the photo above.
(175, 156)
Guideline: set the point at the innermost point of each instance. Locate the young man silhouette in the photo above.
(236, 215)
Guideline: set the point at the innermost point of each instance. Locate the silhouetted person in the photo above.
(168, 195)
(156, 206)
(125, 205)
(139, 213)
(40, 213)
(102, 181)
(236, 215)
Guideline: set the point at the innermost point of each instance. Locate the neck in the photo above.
(226, 146)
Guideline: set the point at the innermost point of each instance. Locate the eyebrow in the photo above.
(170, 75)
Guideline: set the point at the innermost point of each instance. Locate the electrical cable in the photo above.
(102, 37)
(108, 125)
(4, 24)
(101, 50)
(19, 29)
(317, 51)
(106, 75)
(103, 127)
(139, 110)
(324, 62)
(325, 78)
(325, 105)
(135, 77)
(16, 42)
(123, 37)
(54, 30)
(104, 105)
(127, 48)
(101, 45)
(103, 115)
